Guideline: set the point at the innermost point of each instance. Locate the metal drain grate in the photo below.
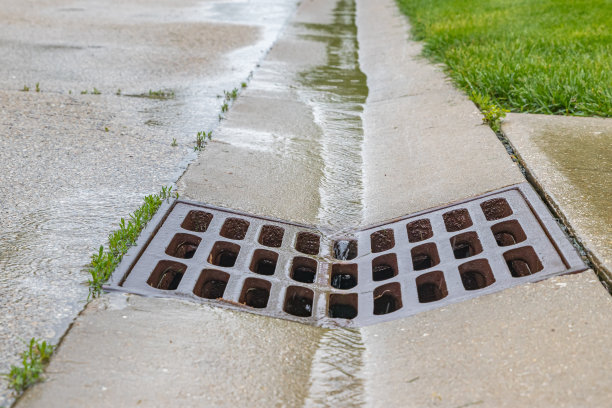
(402, 267)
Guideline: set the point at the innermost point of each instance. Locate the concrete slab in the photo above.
(127, 351)
(424, 141)
(570, 159)
(539, 345)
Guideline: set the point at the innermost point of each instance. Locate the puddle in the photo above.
(337, 92)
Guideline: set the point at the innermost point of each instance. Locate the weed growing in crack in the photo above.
(25, 89)
(491, 111)
(224, 107)
(118, 93)
(38, 87)
(33, 361)
(84, 92)
(201, 140)
(104, 262)
(95, 91)
(243, 85)
(174, 143)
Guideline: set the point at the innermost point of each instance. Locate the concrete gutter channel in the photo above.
(423, 145)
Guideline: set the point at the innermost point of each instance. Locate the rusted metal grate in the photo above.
(380, 273)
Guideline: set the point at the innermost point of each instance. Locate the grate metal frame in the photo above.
(415, 289)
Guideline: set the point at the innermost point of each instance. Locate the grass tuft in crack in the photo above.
(201, 140)
(34, 360)
(491, 111)
(104, 262)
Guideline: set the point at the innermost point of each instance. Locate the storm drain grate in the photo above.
(380, 273)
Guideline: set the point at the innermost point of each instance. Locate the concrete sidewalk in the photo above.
(421, 144)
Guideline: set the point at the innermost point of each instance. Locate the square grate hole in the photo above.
(496, 209)
(183, 246)
(308, 243)
(387, 298)
(298, 301)
(167, 275)
(523, 261)
(343, 306)
(264, 262)
(424, 256)
(303, 269)
(508, 233)
(476, 274)
(224, 254)
(465, 245)
(197, 221)
(384, 267)
(419, 230)
(382, 240)
(234, 228)
(457, 220)
(211, 284)
(344, 276)
(255, 293)
(431, 287)
(282, 269)
(271, 236)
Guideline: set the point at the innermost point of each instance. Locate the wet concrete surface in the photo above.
(269, 157)
(571, 159)
(73, 164)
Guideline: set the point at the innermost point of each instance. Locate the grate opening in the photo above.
(211, 284)
(224, 254)
(387, 298)
(303, 269)
(343, 306)
(271, 236)
(431, 287)
(344, 276)
(476, 274)
(508, 233)
(298, 301)
(457, 220)
(424, 256)
(523, 261)
(183, 246)
(496, 209)
(255, 293)
(264, 262)
(345, 249)
(382, 240)
(167, 275)
(384, 267)
(234, 228)
(419, 230)
(308, 243)
(465, 245)
(197, 221)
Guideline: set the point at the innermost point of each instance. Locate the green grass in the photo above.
(33, 362)
(104, 262)
(538, 56)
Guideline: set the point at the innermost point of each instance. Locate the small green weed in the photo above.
(174, 143)
(230, 96)
(103, 263)
(96, 92)
(244, 84)
(105, 129)
(201, 140)
(84, 92)
(38, 87)
(33, 361)
(224, 107)
(26, 88)
(118, 93)
(492, 112)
